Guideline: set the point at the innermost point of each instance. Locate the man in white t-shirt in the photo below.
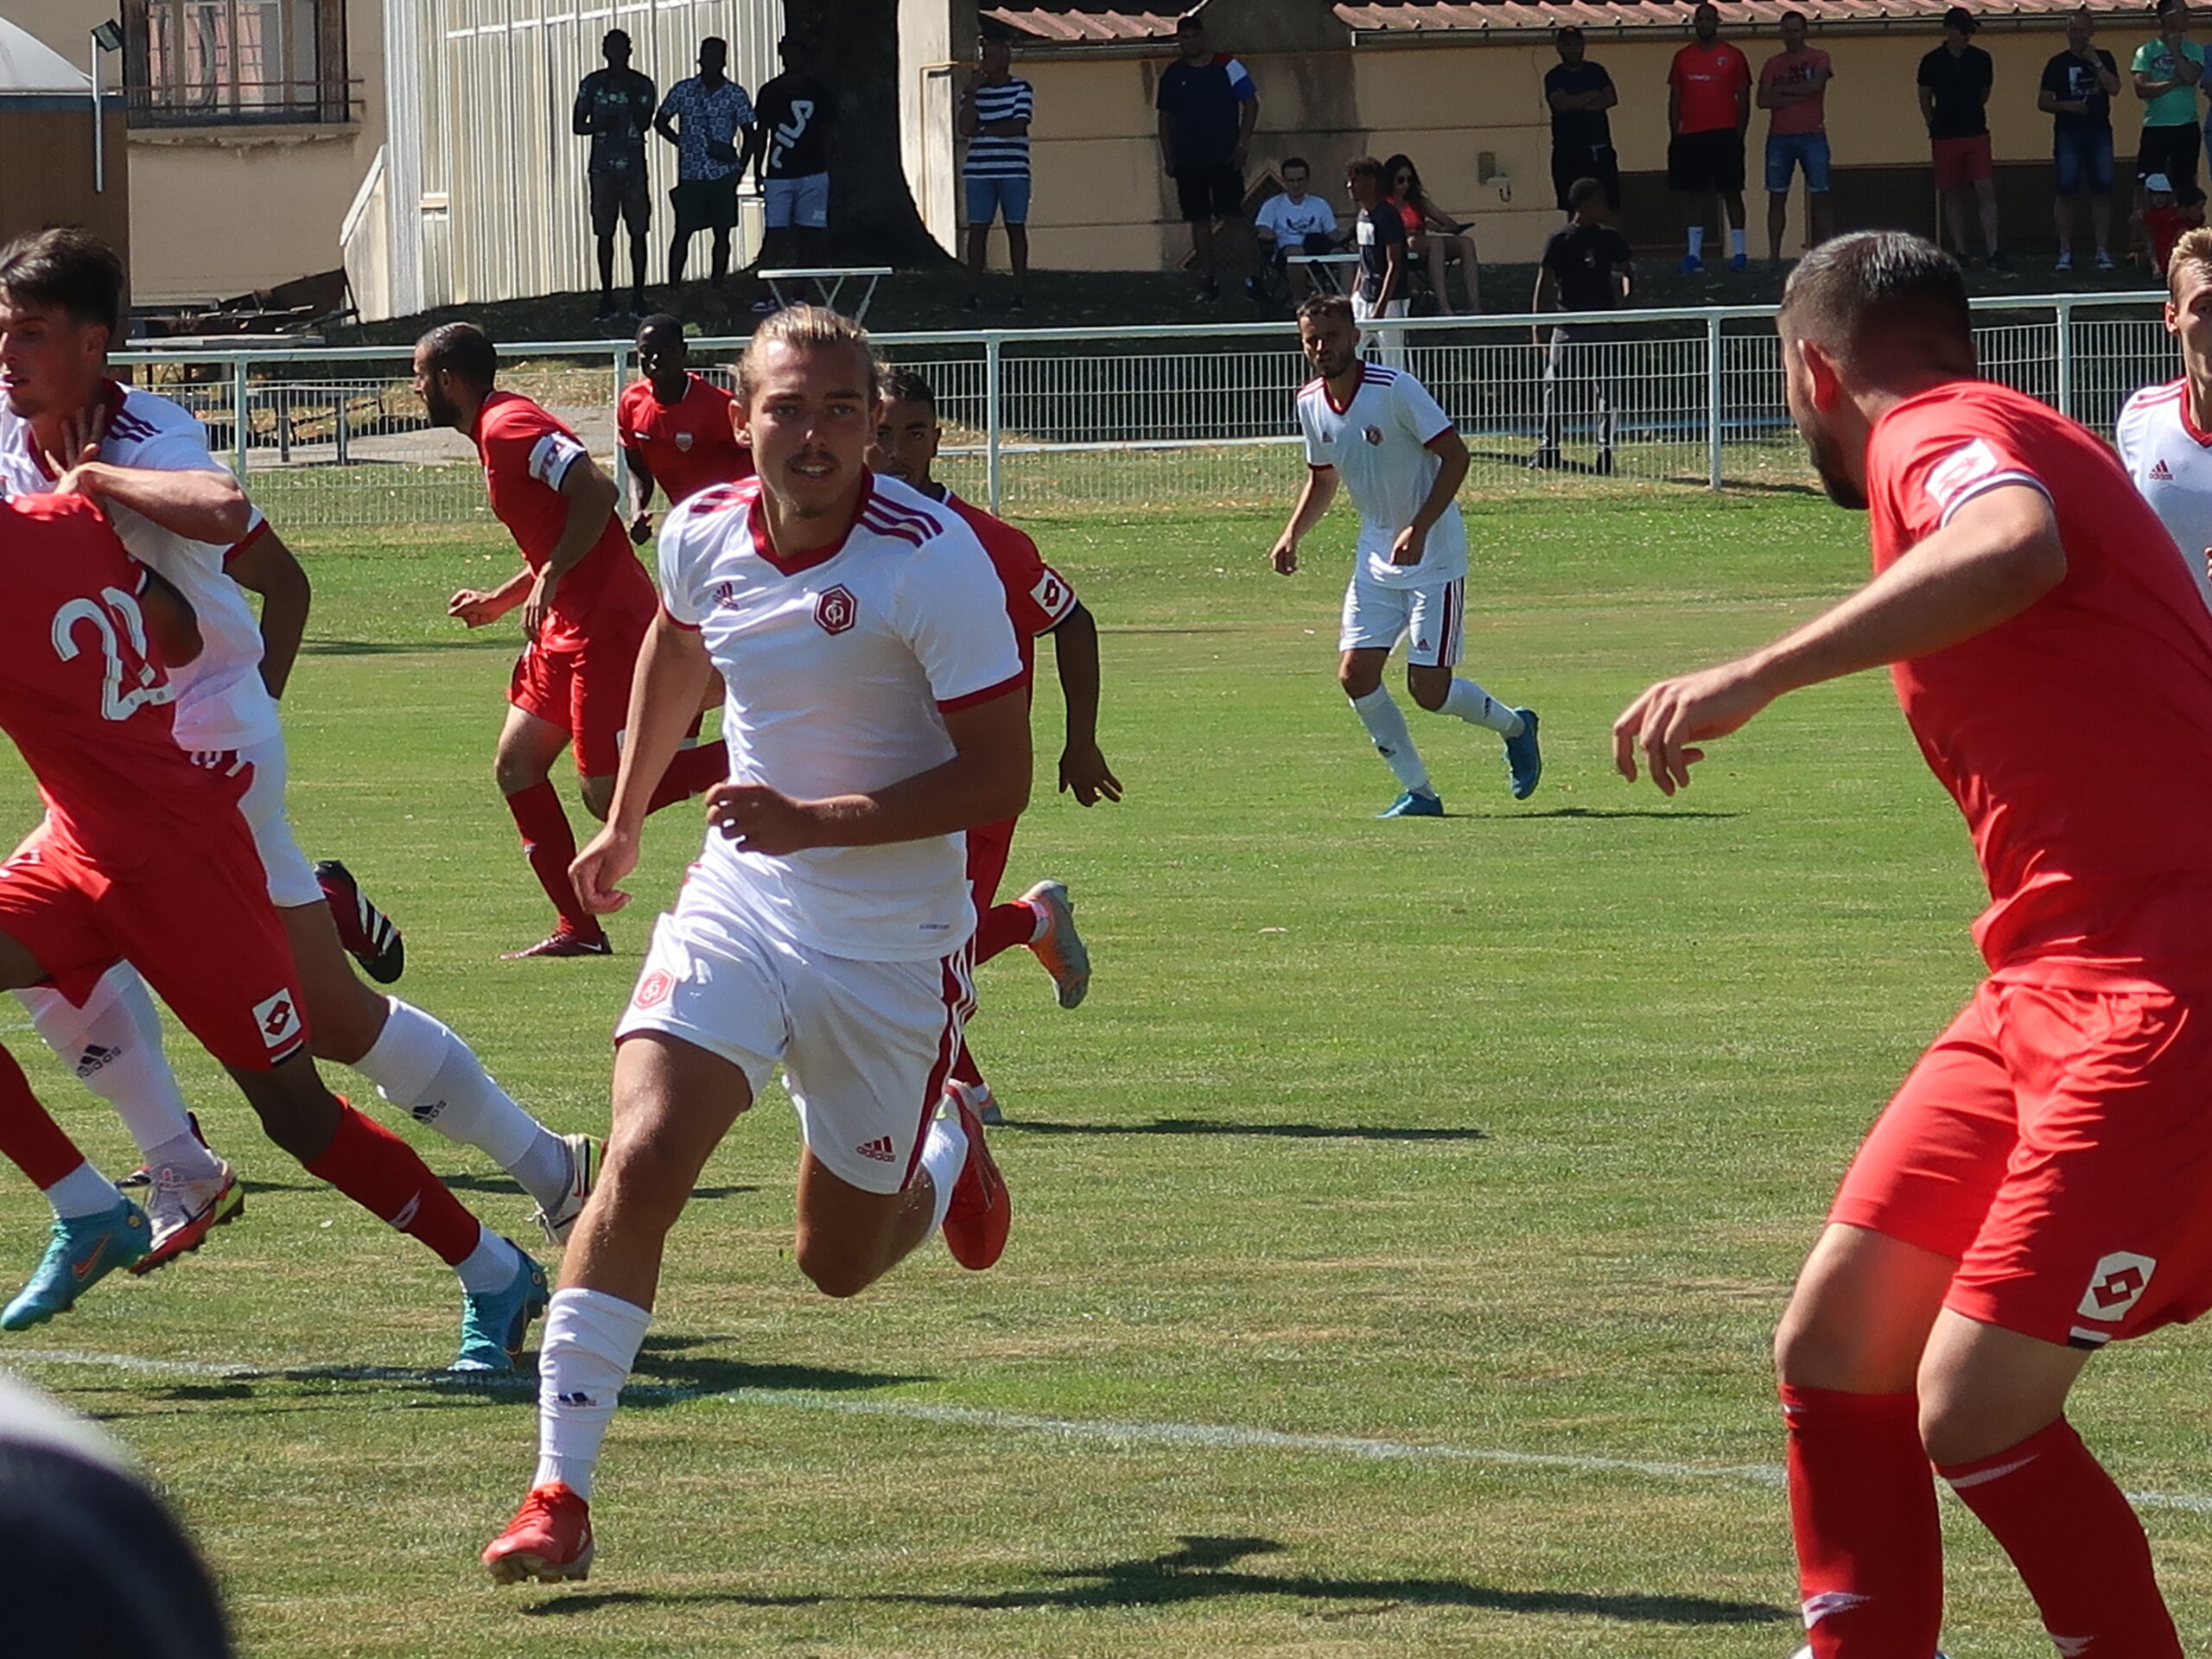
(875, 712)
(1378, 432)
(2164, 434)
(1295, 222)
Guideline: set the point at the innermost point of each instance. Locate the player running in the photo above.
(67, 427)
(2036, 1190)
(675, 429)
(147, 856)
(2164, 434)
(1379, 432)
(586, 606)
(874, 714)
(1038, 602)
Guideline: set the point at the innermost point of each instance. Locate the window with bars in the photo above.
(228, 62)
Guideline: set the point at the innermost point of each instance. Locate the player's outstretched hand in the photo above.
(1084, 774)
(760, 819)
(1667, 719)
(1285, 557)
(472, 609)
(597, 870)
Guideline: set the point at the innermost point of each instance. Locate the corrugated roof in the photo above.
(1063, 28)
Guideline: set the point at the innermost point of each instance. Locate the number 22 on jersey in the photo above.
(114, 606)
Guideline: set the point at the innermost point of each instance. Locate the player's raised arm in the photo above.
(200, 505)
(263, 564)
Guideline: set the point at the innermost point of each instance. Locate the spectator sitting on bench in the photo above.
(1294, 222)
(2164, 220)
(1433, 236)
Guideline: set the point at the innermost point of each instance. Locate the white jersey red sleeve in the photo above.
(2170, 461)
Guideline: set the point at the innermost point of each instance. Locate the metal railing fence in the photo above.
(1129, 418)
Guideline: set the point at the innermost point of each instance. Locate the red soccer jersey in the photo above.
(2076, 737)
(86, 700)
(688, 444)
(527, 453)
(1709, 77)
(1038, 599)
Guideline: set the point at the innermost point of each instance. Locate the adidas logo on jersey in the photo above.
(880, 1149)
(2160, 472)
(94, 1058)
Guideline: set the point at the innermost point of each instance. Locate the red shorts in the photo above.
(584, 689)
(2058, 1145)
(202, 933)
(1961, 161)
(989, 849)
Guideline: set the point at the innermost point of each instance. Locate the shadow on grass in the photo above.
(1283, 1131)
(1662, 812)
(502, 641)
(495, 1185)
(1206, 1569)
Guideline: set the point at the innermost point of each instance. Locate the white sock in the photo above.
(1044, 923)
(1478, 708)
(1386, 723)
(83, 1191)
(944, 1151)
(418, 1062)
(491, 1265)
(1736, 240)
(1697, 241)
(590, 1342)
(185, 1155)
(114, 1044)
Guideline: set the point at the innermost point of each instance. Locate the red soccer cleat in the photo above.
(564, 941)
(976, 1225)
(370, 937)
(549, 1540)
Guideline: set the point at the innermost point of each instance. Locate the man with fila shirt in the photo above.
(65, 426)
(586, 606)
(875, 713)
(674, 428)
(2036, 1189)
(797, 114)
(146, 855)
(1379, 432)
(1708, 106)
(2164, 434)
(1038, 601)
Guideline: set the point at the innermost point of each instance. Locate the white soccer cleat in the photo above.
(1061, 950)
(583, 1175)
(182, 1213)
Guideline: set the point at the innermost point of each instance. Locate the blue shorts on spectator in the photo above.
(1786, 152)
(801, 202)
(989, 198)
(2083, 161)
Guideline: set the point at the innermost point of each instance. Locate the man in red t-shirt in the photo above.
(674, 428)
(586, 604)
(1708, 106)
(2036, 1190)
(1793, 90)
(1038, 601)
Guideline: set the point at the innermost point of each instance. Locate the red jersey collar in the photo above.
(756, 523)
(691, 380)
(1329, 392)
(2202, 439)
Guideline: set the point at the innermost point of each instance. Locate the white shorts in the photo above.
(803, 202)
(1429, 619)
(866, 1046)
(291, 878)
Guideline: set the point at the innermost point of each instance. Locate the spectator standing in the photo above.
(1954, 82)
(796, 112)
(614, 106)
(1379, 231)
(1586, 265)
(1708, 106)
(2078, 88)
(703, 116)
(2168, 72)
(1294, 222)
(1793, 87)
(1207, 105)
(994, 113)
(1579, 93)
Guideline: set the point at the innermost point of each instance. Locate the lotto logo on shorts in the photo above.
(836, 610)
(653, 989)
(2117, 1285)
(279, 1019)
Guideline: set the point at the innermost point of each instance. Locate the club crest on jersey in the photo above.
(653, 989)
(2160, 472)
(279, 1018)
(683, 443)
(1373, 434)
(2116, 1284)
(836, 610)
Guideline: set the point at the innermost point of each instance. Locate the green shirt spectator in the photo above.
(2155, 60)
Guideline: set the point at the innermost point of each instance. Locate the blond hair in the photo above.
(806, 328)
(2195, 248)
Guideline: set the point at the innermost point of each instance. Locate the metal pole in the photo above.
(621, 461)
(238, 414)
(341, 412)
(1713, 395)
(994, 414)
(99, 124)
(2066, 358)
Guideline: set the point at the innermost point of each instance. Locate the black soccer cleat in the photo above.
(369, 935)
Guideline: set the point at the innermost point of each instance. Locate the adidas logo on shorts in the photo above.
(880, 1149)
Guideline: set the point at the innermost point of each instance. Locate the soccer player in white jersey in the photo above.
(66, 427)
(2164, 434)
(1378, 432)
(875, 712)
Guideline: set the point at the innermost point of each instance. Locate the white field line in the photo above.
(1219, 1437)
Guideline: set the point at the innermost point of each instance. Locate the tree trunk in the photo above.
(853, 45)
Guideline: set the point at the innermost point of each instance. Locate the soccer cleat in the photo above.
(976, 1223)
(1524, 758)
(492, 1322)
(80, 1252)
(182, 1213)
(1413, 805)
(142, 1176)
(549, 1540)
(1739, 262)
(1061, 950)
(564, 941)
(987, 1106)
(1692, 264)
(583, 1174)
(368, 933)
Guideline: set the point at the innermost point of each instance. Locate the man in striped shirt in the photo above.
(994, 110)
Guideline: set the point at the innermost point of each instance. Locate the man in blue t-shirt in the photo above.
(1207, 107)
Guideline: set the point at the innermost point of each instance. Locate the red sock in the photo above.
(29, 1137)
(1862, 1506)
(550, 847)
(1003, 926)
(694, 772)
(2076, 1542)
(964, 1069)
(379, 1172)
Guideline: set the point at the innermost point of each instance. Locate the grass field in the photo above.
(1489, 1143)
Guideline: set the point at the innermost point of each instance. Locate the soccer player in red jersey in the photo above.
(1038, 601)
(147, 857)
(675, 429)
(586, 606)
(2036, 1189)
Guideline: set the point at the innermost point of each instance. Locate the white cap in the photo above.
(2159, 184)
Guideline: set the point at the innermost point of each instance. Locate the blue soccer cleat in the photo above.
(1524, 758)
(492, 1322)
(1739, 262)
(1691, 264)
(1410, 805)
(82, 1251)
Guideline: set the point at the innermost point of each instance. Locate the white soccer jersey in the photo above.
(1378, 445)
(839, 666)
(2172, 464)
(220, 701)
